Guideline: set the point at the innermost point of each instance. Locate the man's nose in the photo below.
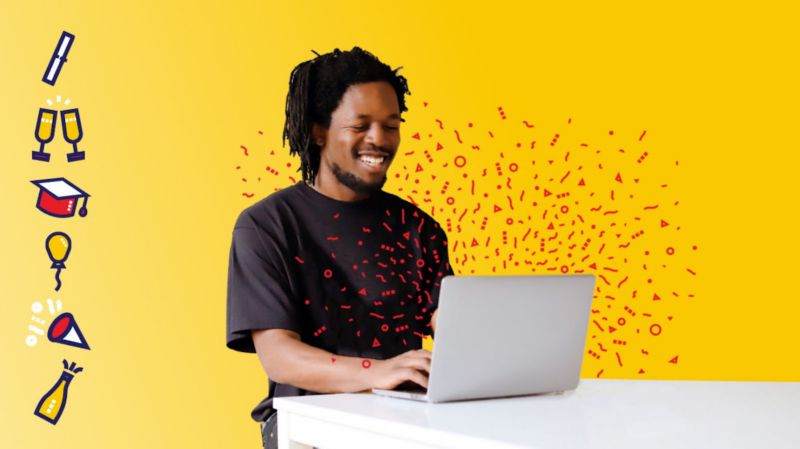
(376, 135)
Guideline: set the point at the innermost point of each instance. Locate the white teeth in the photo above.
(370, 160)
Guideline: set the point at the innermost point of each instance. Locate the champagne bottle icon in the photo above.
(53, 402)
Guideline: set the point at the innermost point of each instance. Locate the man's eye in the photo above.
(360, 127)
(393, 128)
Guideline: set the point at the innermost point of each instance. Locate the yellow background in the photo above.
(169, 91)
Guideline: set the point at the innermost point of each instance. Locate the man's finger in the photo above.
(417, 377)
(421, 364)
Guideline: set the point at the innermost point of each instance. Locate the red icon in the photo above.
(58, 197)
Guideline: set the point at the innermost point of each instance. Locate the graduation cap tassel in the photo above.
(83, 212)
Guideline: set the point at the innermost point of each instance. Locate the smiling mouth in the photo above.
(372, 161)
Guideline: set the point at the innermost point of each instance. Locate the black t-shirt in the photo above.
(356, 279)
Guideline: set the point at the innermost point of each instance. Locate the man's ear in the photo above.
(319, 133)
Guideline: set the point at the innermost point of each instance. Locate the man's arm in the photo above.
(287, 360)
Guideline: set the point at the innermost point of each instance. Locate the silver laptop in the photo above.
(499, 336)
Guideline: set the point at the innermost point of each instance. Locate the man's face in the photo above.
(363, 137)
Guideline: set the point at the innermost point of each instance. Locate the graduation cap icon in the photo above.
(58, 197)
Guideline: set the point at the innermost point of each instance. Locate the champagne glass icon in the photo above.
(45, 131)
(73, 133)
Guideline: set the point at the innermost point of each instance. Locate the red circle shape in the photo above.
(328, 274)
(655, 326)
(463, 161)
(366, 364)
(61, 326)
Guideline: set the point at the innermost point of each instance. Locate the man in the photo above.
(332, 281)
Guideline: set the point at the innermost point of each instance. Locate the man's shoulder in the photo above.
(427, 219)
(269, 208)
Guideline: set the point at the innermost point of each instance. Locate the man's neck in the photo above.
(328, 185)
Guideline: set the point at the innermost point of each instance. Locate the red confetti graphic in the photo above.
(584, 203)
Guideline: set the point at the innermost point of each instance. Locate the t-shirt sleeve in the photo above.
(259, 290)
(438, 250)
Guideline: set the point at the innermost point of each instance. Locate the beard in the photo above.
(355, 183)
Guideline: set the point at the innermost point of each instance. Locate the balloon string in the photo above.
(58, 279)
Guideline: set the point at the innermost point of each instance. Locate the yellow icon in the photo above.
(58, 246)
(52, 404)
(73, 133)
(45, 131)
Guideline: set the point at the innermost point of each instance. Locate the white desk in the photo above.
(599, 414)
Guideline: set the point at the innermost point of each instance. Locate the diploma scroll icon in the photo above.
(52, 404)
(58, 59)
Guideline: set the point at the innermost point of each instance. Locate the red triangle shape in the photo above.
(376, 343)
(497, 208)
(611, 329)
(425, 104)
(363, 292)
(550, 226)
(547, 192)
(439, 146)
(581, 182)
(407, 235)
(656, 297)
(641, 371)
(593, 266)
(664, 224)
(419, 168)
(416, 136)
(674, 360)
(618, 178)
(474, 242)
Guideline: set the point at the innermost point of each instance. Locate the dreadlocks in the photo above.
(315, 89)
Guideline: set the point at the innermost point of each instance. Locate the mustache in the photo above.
(373, 148)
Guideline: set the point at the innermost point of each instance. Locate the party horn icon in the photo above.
(58, 246)
(65, 330)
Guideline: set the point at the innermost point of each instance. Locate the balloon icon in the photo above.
(58, 246)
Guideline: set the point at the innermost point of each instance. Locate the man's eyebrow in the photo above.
(362, 116)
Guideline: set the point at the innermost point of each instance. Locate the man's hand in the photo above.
(411, 366)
